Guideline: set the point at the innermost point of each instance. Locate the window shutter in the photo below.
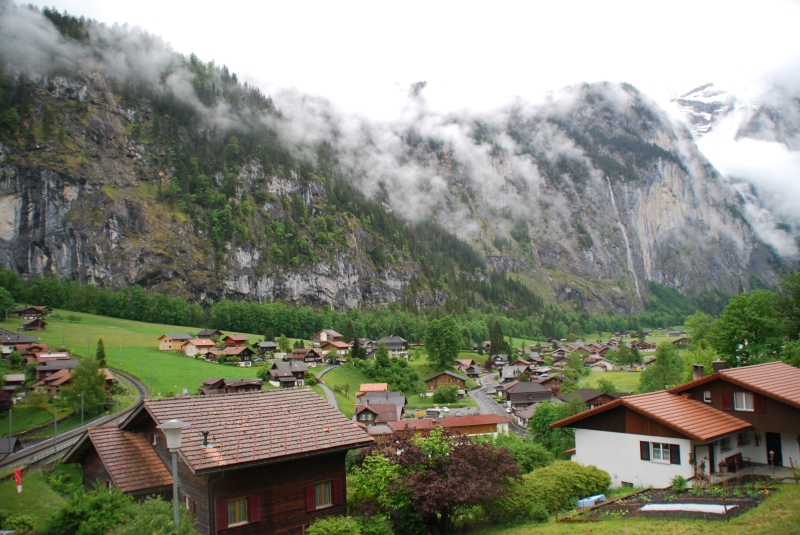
(192, 506)
(759, 403)
(311, 498)
(644, 450)
(727, 401)
(674, 454)
(338, 491)
(222, 515)
(255, 508)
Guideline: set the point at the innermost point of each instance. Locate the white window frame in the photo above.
(663, 452)
(232, 522)
(707, 396)
(741, 400)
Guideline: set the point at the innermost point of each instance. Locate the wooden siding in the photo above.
(638, 424)
(778, 418)
(612, 420)
(94, 470)
(445, 381)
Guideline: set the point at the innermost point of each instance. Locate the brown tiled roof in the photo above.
(776, 380)
(384, 412)
(692, 418)
(446, 372)
(238, 337)
(373, 387)
(454, 421)
(130, 461)
(256, 427)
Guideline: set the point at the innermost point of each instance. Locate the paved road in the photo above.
(489, 406)
(328, 392)
(42, 448)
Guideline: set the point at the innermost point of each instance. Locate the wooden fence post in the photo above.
(725, 505)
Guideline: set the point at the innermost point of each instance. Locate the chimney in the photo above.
(205, 438)
(718, 365)
(697, 371)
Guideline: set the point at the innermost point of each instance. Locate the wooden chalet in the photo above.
(288, 374)
(339, 348)
(208, 334)
(682, 341)
(235, 340)
(62, 378)
(242, 355)
(484, 424)
(371, 414)
(199, 347)
(266, 347)
(234, 481)
(325, 335)
(309, 356)
(173, 341)
(36, 324)
(521, 395)
(445, 379)
(13, 381)
(30, 313)
(397, 347)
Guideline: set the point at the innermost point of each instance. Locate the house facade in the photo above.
(397, 347)
(325, 335)
(233, 480)
(198, 347)
(173, 341)
(445, 379)
(750, 412)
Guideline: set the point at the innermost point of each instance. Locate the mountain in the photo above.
(124, 162)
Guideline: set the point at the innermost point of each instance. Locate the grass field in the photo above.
(625, 381)
(779, 515)
(37, 499)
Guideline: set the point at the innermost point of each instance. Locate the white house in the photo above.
(730, 416)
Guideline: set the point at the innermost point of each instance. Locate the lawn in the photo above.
(37, 499)
(24, 417)
(779, 515)
(625, 381)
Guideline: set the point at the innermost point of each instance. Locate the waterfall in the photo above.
(627, 243)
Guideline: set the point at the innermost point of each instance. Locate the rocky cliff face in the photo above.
(584, 198)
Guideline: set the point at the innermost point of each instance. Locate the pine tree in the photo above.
(101, 354)
(269, 335)
(349, 332)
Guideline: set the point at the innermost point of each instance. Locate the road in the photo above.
(488, 406)
(46, 448)
(328, 392)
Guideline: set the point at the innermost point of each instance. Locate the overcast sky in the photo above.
(364, 55)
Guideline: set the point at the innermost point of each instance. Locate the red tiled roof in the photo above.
(455, 421)
(692, 418)
(130, 461)
(776, 380)
(202, 342)
(373, 387)
(256, 427)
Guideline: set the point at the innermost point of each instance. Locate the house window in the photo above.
(707, 396)
(323, 494)
(660, 452)
(743, 439)
(237, 512)
(725, 444)
(743, 401)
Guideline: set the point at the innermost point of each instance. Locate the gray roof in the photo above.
(398, 398)
(528, 387)
(57, 365)
(178, 336)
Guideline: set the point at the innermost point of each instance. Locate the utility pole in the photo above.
(81, 408)
(120, 357)
(88, 348)
(9, 423)
(55, 424)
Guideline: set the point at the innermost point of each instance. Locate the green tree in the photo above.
(269, 335)
(442, 342)
(558, 440)
(15, 358)
(750, 329)
(356, 351)
(6, 302)
(497, 339)
(697, 355)
(382, 356)
(37, 398)
(349, 332)
(446, 394)
(575, 362)
(527, 453)
(100, 354)
(624, 356)
(87, 378)
(698, 325)
(284, 344)
(788, 304)
(606, 386)
(665, 372)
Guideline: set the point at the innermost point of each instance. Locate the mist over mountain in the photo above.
(125, 162)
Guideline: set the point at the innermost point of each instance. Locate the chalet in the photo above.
(398, 398)
(673, 333)
(598, 363)
(538, 371)
(643, 345)
(244, 355)
(325, 335)
(749, 414)
(559, 353)
(496, 361)
(31, 313)
(446, 379)
(370, 414)
(473, 371)
(592, 398)
(522, 395)
(36, 324)
(54, 382)
(237, 386)
(338, 348)
(46, 370)
(266, 347)
(509, 373)
(484, 424)
(208, 334)
(682, 341)
(199, 347)
(232, 479)
(235, 340)
(13, 381)
(523, 416)
(368, 388)
(212, 386)
(559, 362)
(555, 382)
(9, 341)
(466, 363)
(398, 347)
(309, 356)
(288, 374)
(172, 341)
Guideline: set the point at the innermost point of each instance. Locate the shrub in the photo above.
(14, 521)
(533, 498)
(679, 483)
(335, 525)
(446, 394)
